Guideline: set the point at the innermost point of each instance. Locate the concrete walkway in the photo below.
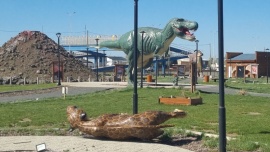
(80, 144)
(73, 89)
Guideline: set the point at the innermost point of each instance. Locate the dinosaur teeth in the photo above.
(188, 33)
(191, 32)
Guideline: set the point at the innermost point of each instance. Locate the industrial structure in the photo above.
(87, 49)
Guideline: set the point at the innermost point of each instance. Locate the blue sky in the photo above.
(246, 22)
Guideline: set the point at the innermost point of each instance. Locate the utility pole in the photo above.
(222, 109)
(135, 94)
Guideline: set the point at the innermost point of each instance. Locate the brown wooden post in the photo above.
(193, 77)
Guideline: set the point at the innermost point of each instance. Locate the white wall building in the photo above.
(112, 60)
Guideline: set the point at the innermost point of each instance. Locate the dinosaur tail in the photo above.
(159, 117)
(178, 113)
(110, 44)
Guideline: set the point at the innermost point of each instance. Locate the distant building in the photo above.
(185, 62)
(247, 65)
(112, 60)
(90, 64)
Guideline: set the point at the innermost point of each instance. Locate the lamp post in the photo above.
(142, 32)
(210, 59)
(104, 59)
(135, 91)
(222, 109)
(58, 37)
(156, 70)
(197, 41)
(267, 64)
(87, 49)
(97, 57)
(163, 65)
(231, 67)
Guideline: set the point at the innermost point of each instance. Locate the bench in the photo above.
(215, 79)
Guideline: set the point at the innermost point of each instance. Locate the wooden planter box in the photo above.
(180, 100)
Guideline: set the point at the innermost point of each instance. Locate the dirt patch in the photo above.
(25, 120)
(253, 113)
(32, 54)
(193, 143)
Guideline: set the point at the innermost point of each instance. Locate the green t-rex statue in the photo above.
(155, 41)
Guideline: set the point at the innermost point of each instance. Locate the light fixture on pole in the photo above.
(58, 48)
(267, 61)
(97, 57)
(142, 32)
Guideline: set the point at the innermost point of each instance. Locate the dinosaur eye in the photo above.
(180, 20)
(82, 116)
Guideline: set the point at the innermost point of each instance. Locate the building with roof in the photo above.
(112, 60)
(239, 65)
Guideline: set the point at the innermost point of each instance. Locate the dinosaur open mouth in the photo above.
(186, 31)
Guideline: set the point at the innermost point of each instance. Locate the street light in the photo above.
(142, 32)
(156, 70)
(222, 109)
(210, 58)
(267, 64)
(231, 67)
(97, 57)
(87, 49)
(58, 37)
(135, 91)
(197, 41)
(163, 65)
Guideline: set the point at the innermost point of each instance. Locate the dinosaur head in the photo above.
(75, 116)
(182, 28)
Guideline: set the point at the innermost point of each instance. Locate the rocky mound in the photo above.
(31, 54)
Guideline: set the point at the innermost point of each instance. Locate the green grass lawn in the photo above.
(6, 88)
(247, 116)
(250, 85)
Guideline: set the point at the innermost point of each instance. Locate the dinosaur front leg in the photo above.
(130, 74)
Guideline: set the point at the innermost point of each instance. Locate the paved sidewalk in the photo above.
(74, 88)
(97, 84)
(80, 144)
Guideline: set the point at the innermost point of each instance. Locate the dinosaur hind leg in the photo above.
(130, 67)
(148, 63)
(130, 73)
